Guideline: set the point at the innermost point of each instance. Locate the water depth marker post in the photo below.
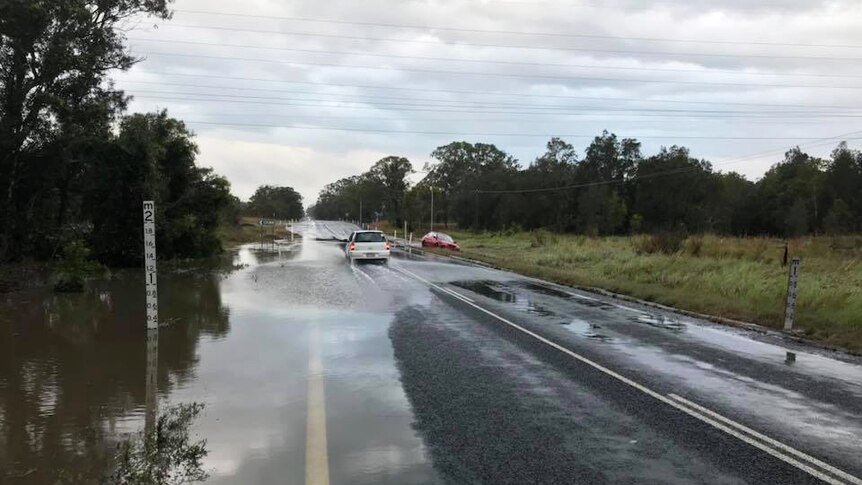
(150, 264)
(152, 314)
(790, 306)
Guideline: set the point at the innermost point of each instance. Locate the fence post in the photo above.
(791, 294)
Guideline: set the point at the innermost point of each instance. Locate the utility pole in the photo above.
(360, 213)
(432, 208)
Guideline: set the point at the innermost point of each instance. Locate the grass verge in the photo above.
(234, 235)
(738, 278)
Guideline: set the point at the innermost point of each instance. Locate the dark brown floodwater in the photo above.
(73, 371)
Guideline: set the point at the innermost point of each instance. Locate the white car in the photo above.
(367, 245)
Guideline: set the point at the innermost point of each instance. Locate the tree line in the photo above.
(613, 188)
(75, 168)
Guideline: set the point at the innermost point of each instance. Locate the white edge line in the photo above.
(691, 412)
(459, 295)
(629, 309)
(775, 443)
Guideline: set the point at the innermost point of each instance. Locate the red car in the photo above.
(439, 240)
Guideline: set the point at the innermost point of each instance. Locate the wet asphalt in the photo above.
(424, 382)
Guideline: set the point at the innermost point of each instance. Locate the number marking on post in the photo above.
(150, 264)
(789, 309)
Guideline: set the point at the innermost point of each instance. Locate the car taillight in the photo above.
(353, 246)
(386, 245)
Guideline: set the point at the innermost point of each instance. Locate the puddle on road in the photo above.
(591, 331)
(594, 303)
(545, 290)
(497, 291)
(661, 321)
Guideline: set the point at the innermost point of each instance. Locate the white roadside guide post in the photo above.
(152, 315)
(791, 294)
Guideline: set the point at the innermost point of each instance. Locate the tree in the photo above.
(791, 196)
(844, 182)
(153, 157)
(273, 201)
(552, 208)
(462, 169)
(54, 103)
(672, 190)
(839, 219)
(390, 173)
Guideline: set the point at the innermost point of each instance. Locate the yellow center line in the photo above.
(316, 459)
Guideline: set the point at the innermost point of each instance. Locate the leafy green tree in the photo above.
(791, 196)
(844, 182)
(601, 211)
(54, 104)
(274, 201)
(555, 208)
(612, 161)
(462, 169)
(839, 219)
(672, 190)
(153, 158)
(390, 173)
(344, 198)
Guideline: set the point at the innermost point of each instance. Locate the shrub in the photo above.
(541, 237)
(694, 245)
(665, 242)
(74, 268)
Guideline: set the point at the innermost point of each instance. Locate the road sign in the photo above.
(150, 264)
(266, 222)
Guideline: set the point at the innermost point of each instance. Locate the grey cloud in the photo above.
(319, 101)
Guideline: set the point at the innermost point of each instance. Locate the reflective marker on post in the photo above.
(791, 294)
(150, 264)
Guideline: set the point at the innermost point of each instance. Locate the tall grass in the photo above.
(740, 278)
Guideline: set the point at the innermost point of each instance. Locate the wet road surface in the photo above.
(422, 371)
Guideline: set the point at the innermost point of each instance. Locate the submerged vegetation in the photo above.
(166, 455)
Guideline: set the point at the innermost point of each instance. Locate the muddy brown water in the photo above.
(236, 338)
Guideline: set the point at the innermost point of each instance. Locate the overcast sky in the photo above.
(263, 83)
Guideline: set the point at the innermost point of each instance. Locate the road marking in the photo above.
(353, 266)
(835, 471)
(455, 293)
(316, 458)
(694, 412)
(628, 309)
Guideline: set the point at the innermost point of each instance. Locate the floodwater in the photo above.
(237, 339)
(315, 371)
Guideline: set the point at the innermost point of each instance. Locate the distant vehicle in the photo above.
(439, 240)
(367, 246)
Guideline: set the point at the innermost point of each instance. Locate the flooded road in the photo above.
(315, 371)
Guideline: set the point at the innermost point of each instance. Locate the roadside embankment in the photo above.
(249, 231)
(735, 278)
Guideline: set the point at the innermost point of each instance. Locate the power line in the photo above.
(493, 93)
(476, 110)
(567, 48)
(457, 133)
(492, 61)
(511, 32)
(386, 102)
(494, 74)
(658, 174)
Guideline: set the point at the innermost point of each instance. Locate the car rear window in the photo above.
(366, 237)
